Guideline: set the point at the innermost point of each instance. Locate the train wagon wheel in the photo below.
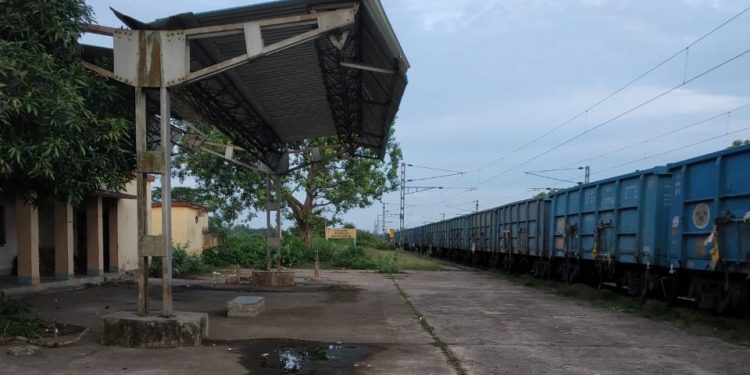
(494, 260)
(573, 272)
(508, 262)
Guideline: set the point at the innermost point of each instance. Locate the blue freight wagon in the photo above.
(709, 227)
(611, 227)
(521, 232)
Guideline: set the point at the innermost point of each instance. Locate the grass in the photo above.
(16, 319)
(453, 361)
(731, 329)
(405, 261)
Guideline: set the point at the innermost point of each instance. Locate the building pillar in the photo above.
(64, 246)
(114, 243)
(94, 237)
(27, 231)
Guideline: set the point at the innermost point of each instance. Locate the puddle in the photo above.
(283, 356)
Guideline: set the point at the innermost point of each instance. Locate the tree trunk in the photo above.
(306, 232)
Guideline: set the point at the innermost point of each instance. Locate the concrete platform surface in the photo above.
(491, 325)
(497, 327)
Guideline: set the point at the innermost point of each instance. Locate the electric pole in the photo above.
(476, 205)
(385, 237)
(587, 173)
(403, 199)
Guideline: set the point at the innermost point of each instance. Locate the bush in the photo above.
(249, 251)
(183, 264)
(239, 249)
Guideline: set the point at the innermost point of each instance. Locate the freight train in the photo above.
(676, 231)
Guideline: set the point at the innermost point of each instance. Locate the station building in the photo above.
(61, 241)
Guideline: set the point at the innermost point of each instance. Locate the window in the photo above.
(2, 225)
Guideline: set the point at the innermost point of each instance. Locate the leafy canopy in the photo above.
(64, 132)
(334, 185)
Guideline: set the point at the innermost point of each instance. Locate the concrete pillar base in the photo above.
(273, 278)
(63, 276)
(128, 329)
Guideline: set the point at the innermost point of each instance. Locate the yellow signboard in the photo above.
(341, 233)
(392, 233)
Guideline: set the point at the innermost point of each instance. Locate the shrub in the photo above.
(183, 264)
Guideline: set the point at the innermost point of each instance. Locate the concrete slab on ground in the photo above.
(497, 327)
(343, 307)
(245, 307)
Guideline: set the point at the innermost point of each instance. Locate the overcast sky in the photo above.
(489, 79)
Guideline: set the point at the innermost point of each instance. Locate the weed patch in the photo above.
(16, 319)
(453, 361)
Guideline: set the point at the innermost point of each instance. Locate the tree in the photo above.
(64, 131)
(739, 142)
(334, 185)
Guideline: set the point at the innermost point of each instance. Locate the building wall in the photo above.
(186, 232)
(127, 233)
(10, 249)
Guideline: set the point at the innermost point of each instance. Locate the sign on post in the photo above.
(341, 233)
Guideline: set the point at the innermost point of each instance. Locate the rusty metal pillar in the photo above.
(166, 202)
(273, 235)
(144, 206)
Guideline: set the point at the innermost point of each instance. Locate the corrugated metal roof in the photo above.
(298, 93)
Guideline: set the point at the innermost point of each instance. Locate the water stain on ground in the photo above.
(342, 293)
(286, 356)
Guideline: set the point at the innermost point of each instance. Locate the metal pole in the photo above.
(385, 238)
(166, 203)
(142, 202)
(588, 174)
(403, 199)
(268, 222)
(476, 205)
(278, 222)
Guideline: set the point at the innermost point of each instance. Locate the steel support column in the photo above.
(144, 206)
(166, 202)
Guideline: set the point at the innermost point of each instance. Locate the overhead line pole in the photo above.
(401, 213)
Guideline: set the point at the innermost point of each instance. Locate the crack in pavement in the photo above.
(436, 341)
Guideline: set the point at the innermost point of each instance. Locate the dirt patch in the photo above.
(342, 293)
(285, 356)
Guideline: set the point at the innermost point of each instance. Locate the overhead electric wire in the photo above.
(621, 89)
(550, 178)
(674, 149)
(694, 124)
(432, 178)
(612, 119)
(601, 101)
(433, 169)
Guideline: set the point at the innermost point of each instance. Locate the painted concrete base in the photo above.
(273, 278)
(245, 307)
(20, 289)
(128, 329)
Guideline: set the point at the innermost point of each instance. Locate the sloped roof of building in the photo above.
(313, 89)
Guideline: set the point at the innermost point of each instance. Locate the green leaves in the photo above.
(337, 185)
(64, 132)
